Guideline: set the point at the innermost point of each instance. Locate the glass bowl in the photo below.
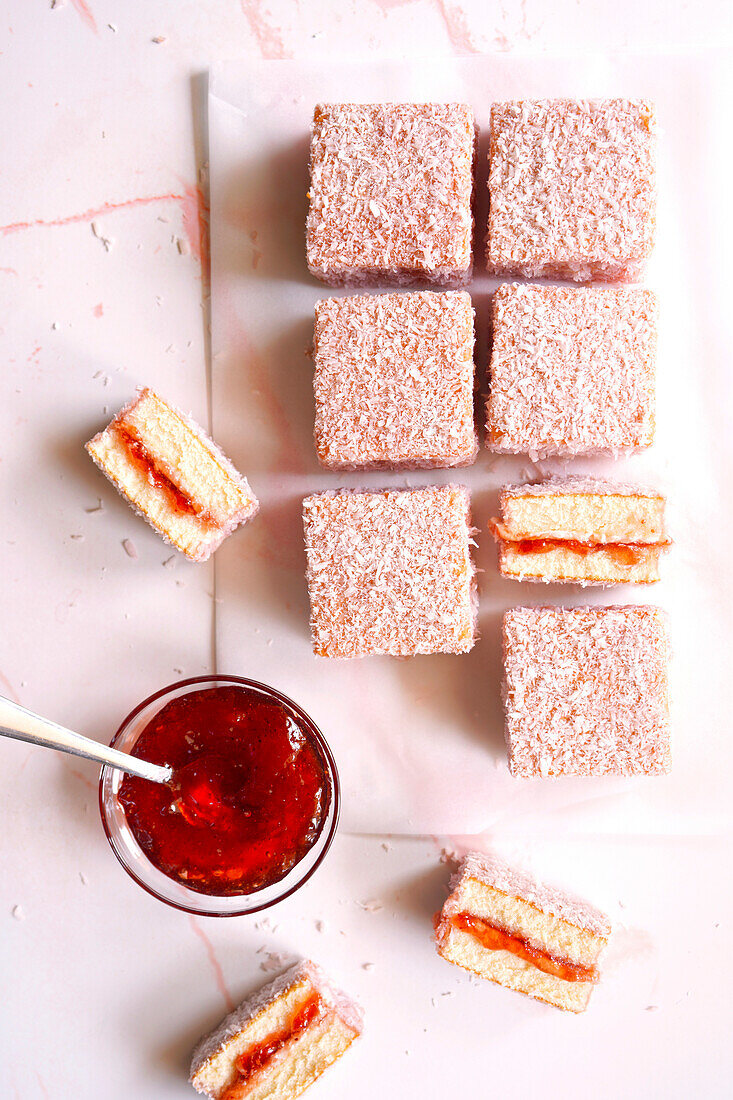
(136, 863)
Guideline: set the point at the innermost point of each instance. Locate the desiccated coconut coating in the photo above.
(492, 871)
(572, 188)
(390, 193)
(586, 691)
(572, 370)
(394, 379)
(390, 572)
(237, 1020)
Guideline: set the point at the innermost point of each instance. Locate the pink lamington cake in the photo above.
(572, 370)
(390, 193)
(394, 381)
(390, 572)
(572, 188)
(278, 1042)
(586, 691)
(502, 925)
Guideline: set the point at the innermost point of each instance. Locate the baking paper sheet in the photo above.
(419, 742)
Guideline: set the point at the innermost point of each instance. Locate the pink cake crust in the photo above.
(572, 189)
(390, 194)
(572, 370)
(342, 1005)
(390, 572)
(586, 691)
(495, 872)
(224, 525)
(394, 381)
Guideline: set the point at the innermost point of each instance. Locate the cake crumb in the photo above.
(275, 961)
(159, 39)
(371, 906)
(83, 878)
(321, 926)
(367, 966)
(18, 912)
(129, 547)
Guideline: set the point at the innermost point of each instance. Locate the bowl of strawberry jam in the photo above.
(251, 807)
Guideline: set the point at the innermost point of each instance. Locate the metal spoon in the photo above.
(23, 725)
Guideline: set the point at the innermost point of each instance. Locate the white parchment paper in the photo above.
(420, 743)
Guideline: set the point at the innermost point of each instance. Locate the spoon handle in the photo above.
(23, 725)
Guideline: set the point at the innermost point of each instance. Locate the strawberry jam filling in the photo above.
(622, 553)
(496, 939)
(247, 799)
(157, 476)
(258, 1056)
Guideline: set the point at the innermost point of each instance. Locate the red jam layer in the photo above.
(248, 796)
(138, 454)
(257, 1057)
(495, 939)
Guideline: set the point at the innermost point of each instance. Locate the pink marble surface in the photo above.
(102, 213)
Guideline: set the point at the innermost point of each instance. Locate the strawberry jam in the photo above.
(256, 1057)
(248, 796)
(496, 939)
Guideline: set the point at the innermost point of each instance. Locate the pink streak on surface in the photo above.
(215, 966)
(83, 11)
(268, 37)
(195, 219)
(8, 687)
(88, 215)
(98, 310)
(8, 271)
(83, 779)
(454, 21)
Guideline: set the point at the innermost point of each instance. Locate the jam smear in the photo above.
(248, 797)
(257, 1057)
(496, 939)
(156, 475)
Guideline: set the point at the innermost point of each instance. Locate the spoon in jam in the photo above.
(200, 799)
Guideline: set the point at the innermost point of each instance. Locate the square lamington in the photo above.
(390, 572)
(572, 370)
(586, 691)
(394, 380)
(390, 193)
(572, 188)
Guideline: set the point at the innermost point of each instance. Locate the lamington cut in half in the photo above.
(394, 381)
(390, 194)
(173, 475)
(586, 691)
(572, 189)
(580, 530)
(390, 572)
(572, 370)
(279, 1042)
(502, 925)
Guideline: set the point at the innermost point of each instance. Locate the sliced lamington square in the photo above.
(502, 925)
(173, 475)
(586, 691)
(279, 1041)
(572, 370)
(390, 193)
(394, 381)
(572, 188)
(390, 572)
(580, 530)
